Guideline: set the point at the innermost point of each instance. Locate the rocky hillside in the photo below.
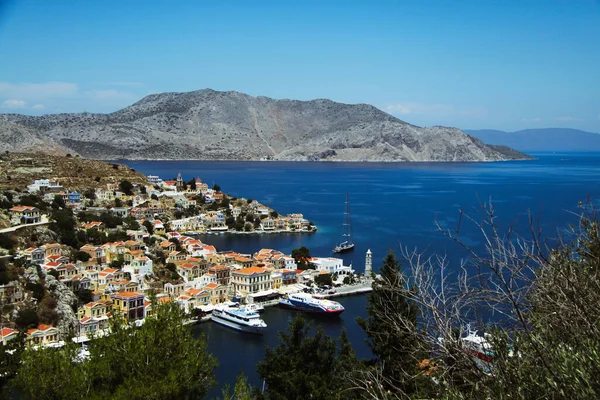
(17, 170)
(206, 124)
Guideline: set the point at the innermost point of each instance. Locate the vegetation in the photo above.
(159, 360)
(302, 257)
(305, 366)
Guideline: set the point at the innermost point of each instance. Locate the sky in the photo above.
(505, 65)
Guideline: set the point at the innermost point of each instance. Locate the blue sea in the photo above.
(392, 205)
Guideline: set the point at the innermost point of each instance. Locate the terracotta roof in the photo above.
(6, 331)
(250, 271)
(211, 285)
(23, 208)
(128, 294)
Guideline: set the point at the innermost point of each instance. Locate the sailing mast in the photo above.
(347, 236)
(347, 243)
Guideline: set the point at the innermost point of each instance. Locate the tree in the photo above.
(153, 196)
(6, 242)
(305, 366)
(82, 256)
(118, 202)
(149, 226)
(58, 202)
(391, 327)
(27, 318)
(126, 187)
(323, 279)
(216, 188)
(159, 360)
(302, 257)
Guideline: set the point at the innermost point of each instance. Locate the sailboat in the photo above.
(347, 243)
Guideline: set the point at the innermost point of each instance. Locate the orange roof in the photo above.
(22, 208)
(128, 294)
(43, 327)
(243, 259)
(218, 267)
(250, 271)
(6, 331)
(211, 285)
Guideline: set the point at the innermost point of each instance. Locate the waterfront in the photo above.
(390, 203)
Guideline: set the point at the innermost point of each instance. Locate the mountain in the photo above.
(207, 124)
(547, 139)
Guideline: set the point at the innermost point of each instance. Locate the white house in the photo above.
(331, 265)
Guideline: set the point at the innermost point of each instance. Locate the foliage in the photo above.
(10, 359)
(307, 366)
(159, 360)
(126, 187)
(58, 202)
(84, 296)
(8, 272)
(323, 279)
(6, 241)
(37, 289)
(131, 223)
(82, 256)
(241, 391)
(110, 220)
(27, 318)
(302, 257)
(216, 188)
(149, 226)
(391, 327)
(64, 226)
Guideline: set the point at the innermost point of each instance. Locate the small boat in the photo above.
(240, 319)
(308, 303)
(347, 244)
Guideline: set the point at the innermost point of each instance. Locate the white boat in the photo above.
(309, 303)
(239, 318)
(347, 243)
(254, 307)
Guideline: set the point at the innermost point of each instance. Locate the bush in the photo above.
(26, 319)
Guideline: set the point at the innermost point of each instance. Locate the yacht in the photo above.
(239, 318)
(309, 303)
(347, 243)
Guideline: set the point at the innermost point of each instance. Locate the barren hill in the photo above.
(207, 124)
(17, 170)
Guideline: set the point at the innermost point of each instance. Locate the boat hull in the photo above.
(344, 249)
(239, 327)
(309, 309)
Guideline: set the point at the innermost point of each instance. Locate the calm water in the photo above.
(390, 204)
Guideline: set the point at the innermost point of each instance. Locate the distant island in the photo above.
(545, 139)
(211, 125)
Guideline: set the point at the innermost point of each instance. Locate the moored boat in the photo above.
(347, 243)
(240, 319)
(308, 303)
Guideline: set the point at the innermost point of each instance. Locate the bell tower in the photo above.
(179, 183)
(368, 264)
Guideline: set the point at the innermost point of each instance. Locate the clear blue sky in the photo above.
(472, 64)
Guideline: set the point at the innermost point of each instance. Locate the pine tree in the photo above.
(392, 327)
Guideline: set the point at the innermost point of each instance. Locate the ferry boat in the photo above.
(239, 318)
(309, 303)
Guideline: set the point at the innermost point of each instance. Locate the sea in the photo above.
(392, 206)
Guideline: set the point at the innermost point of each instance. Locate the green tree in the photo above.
(126, 187)
(216, 188)
(323, 279)
(149, 226)
(27, 318)
(58, 202)
(391, 327)
(82, 256)
(159, 360)
(306, 366)
(302, 257)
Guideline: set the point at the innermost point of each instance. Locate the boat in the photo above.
(347, 243)
(254, 307)
(478, 346)
(307, 302)
(240, 319)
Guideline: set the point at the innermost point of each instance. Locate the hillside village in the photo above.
(70, 260)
